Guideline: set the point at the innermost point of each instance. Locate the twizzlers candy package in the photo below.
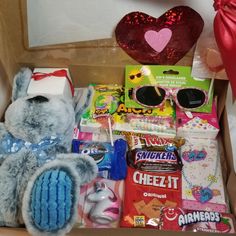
(147, 141)
(146, 193)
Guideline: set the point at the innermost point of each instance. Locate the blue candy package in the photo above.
(119, 163)
(111, 160)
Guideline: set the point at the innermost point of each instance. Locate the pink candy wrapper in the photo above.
(100, 204)
(178, 219)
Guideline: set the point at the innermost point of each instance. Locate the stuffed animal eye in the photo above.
(38, 99)
(85, 151)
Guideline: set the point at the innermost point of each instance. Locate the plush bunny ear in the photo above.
(84, 165)
(21, 83)
(82, 101)
(86, 168)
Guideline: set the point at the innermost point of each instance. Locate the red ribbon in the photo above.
(225, 34)
(58, 73)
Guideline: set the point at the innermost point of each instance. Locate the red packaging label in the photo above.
(152, 141)
(146, 193)
(178, 219)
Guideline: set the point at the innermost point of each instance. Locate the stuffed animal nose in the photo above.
(38, 99)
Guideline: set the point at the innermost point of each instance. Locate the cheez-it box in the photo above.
(145, 195)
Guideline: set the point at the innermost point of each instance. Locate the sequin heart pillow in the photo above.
(164, 40)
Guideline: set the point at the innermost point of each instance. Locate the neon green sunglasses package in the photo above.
(150, 86)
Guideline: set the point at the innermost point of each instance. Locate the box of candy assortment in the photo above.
(154, 170)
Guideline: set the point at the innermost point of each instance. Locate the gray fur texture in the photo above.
(2, 133)
(31, 119)
(84, 166)
(78, 170)
(83, 99)
(38, 120)
(14, 176)
(20, 83)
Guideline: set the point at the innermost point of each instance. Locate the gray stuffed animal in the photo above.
(39, 177)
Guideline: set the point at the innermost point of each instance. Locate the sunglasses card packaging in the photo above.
(149, 86)
(200, 125)
(202, 176)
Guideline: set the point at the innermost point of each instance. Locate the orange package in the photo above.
(146, 193)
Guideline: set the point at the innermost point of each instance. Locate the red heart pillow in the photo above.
(164, 40)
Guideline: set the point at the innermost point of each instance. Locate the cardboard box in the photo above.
(83, 60)
(55, 81)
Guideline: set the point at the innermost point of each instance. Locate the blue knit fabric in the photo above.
(9, 144)
(51, 202)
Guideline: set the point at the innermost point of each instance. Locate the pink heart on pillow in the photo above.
(158, 40)
(164, 40)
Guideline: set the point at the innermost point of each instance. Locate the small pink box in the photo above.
(201, 125)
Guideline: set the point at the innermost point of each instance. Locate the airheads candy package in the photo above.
(111, 160)
(145, 195)
(150, 85)
(178, 219)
